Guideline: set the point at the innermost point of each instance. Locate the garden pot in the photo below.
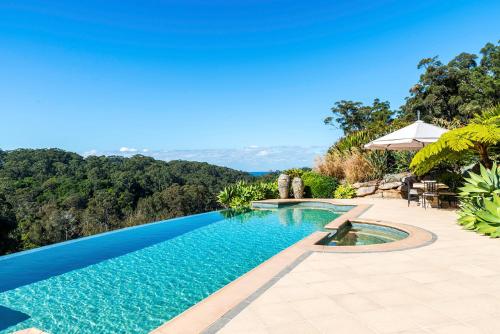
(283, 185)
(298, 187)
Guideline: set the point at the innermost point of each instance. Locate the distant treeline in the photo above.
(50, 195)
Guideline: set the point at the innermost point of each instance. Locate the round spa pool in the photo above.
(360, 234)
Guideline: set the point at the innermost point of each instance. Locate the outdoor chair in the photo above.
(430, 191)
(412, 192)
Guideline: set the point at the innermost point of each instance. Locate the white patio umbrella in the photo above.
(410, 138)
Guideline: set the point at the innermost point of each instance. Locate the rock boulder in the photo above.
(389, 185)
(398, 177)
(365, 190)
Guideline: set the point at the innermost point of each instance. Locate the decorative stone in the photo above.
(284, 186)
(375, 195)
(363, 191)
(392, 194)
(358, 185)
(298, 187)
(389, 185)
(398, 177)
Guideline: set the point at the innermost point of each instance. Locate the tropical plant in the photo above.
(241, 194)
(379, 164)
(480, 138)
(400, 161)
(344, 191)
(353, 140)
(294, 172)
(318, 186)
(480, 202)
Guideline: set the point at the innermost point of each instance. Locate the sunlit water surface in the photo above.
(140, 290)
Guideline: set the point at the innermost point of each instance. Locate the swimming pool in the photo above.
(135, 279)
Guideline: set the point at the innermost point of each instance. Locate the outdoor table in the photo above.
(440, 186)
(420, 186)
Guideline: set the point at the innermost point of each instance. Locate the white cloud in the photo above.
(125, 149)
(262, 153)
(248, 158)
(89, 153)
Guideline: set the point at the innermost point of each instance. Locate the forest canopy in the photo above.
(50, 195)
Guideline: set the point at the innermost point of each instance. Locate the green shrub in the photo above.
(480, 202)
(318, 186)
(401, 161)
(295, 172)
(241, 194)
(450, 178)
(344, 191)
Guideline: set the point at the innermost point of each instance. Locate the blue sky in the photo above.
(244, 84)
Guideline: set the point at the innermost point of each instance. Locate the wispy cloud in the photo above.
(125, 149)
(251, 158)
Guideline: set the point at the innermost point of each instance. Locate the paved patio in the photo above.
(450, 286)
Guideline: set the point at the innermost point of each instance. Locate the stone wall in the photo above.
(391, 186)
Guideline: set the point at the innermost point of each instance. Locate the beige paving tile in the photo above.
(332, 288)
(387, 321)
(346, 324)
(429, 276)
(355, 303)
(252, 331)
(450, 289)
(473, 270)
(297, 327)
(467, 308)
(450, 286)
(454, 329)
(310, 308)
(390, 297)
(422, 315)
(299, 292)
(276, 314)
(487, 325)
(311, 276)
(423, 294)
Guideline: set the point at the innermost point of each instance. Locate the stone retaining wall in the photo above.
(391, 186)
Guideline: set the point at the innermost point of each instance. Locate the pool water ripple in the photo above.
(140, 290)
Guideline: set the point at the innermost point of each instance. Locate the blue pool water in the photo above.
(133, 280)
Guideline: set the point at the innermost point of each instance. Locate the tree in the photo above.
(7, 226)
(480, 138)
(50, 195)
(354, 116)
(457, 90)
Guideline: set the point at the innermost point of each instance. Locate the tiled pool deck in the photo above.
(449, 286)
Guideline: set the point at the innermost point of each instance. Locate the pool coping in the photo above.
(212, 313)
(208, 311)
